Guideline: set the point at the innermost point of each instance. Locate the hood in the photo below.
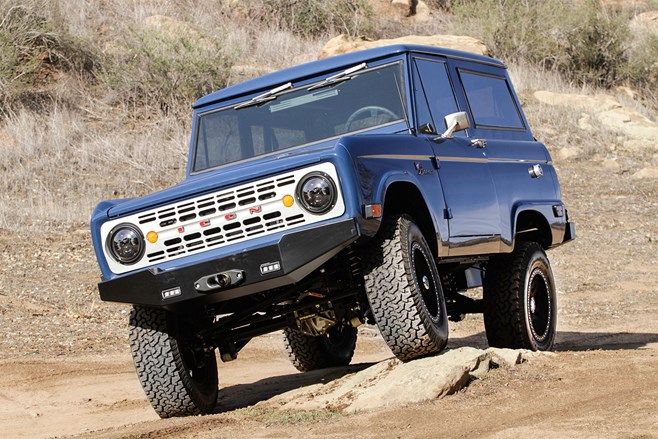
(226, 177)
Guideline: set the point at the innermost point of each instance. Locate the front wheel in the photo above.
(178, 380)
(520, 303)
(404, 290)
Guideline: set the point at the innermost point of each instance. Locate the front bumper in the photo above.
(295, 256)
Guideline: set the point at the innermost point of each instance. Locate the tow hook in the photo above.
(219, 281)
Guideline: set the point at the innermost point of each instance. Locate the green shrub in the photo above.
(315, 17)
(151, 68)
(581, 38)
(642, 67)
(35, 49)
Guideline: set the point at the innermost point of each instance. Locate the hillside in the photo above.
(95, 104)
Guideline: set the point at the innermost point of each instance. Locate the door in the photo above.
(463, 169)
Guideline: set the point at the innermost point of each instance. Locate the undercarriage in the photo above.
(334, 294)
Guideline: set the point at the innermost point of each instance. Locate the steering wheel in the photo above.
(373, 110)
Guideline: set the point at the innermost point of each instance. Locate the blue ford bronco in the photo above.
(377, 186)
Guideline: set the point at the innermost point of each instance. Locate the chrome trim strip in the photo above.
(487, 159)
(395, 157)
(451, 159)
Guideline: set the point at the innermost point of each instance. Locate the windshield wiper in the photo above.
(338, 77)
(265, 97)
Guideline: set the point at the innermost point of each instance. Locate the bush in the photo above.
(315, 17)
(642, 67)
(35, 49)
(581, 39)
(169, 71)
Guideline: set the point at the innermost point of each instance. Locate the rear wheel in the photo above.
(335, 348)
(178, 380)
(520, 303)
(404, 290)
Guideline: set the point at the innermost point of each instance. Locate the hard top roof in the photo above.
(313, 68)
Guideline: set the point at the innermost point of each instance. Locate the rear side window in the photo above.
(491, 101)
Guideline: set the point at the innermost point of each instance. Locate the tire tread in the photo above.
(160, 368)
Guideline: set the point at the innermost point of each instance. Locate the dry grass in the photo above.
(74, 132)
(56, 167)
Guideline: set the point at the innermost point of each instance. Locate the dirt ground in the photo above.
(66, 368)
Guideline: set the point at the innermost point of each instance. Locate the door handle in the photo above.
(479, 143)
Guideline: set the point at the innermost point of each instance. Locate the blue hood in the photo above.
(225, 177)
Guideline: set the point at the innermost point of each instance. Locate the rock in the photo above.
(567, 153)
(645, 22)
(505, 357)
(585, 122)
(600, 102)
(611, 165)
(627, 91)
(646, 174)
(630, 122)
(607, 111)
(392, 383)
(345, 44)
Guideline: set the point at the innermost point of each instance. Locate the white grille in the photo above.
(222, 218)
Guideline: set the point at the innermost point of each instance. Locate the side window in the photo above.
(423, 116)
(438, 91)
(490, 101)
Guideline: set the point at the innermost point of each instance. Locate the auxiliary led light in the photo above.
(288, 201)
(152, 237)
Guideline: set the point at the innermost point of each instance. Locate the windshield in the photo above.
(271, 122)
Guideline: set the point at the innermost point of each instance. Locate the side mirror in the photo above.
(455, 122)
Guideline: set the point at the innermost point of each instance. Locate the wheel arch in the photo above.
(531, 225)
(404, 197)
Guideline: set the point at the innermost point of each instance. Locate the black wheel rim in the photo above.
(196, 366)
(336, 335)
(539, 304)
(425, 281)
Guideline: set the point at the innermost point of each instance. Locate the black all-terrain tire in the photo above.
(175, 382)
(335, 348)
(404, 290)
(520, 304)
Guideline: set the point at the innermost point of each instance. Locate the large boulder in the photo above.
(647, 173)
(392, 383)
(345, 44)
(605, 110)
(645, 22)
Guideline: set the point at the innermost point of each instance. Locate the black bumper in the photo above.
(297, 255)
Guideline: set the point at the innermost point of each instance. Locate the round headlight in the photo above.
(126, 243)
(317, 192)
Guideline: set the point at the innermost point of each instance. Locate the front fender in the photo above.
(553, 226)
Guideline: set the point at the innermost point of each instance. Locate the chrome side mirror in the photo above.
(455, 122)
